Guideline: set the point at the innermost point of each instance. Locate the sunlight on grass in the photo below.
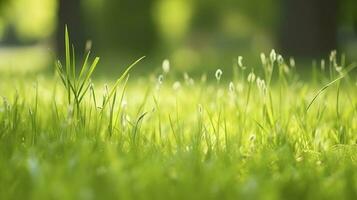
(22, 60)
(263, 134)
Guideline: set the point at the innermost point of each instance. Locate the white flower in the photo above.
(176, 86)
(203, 78)
(272, 56)
(240, 61)
(261, 85)
(191, 81)
(338, 68)
(292, 62)
(251, 77)
(187, 78)
(160, 79)
(333, 55)
(166, 66)
(218, 74)
(231, 87)
(322, 64)
(88, 46)
(280, 59)
(263, 58)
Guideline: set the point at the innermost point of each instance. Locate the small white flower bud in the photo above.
(292, 62)
(263, 58)
(280, 59)
(166, 66)
(272, 56)
(251, 77)
(231, 87)
(218, 74)
(333, 55)
(176, 86)
(160, 79)
(322, 64)
(240, 61)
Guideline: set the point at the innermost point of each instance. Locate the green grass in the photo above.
(269, 136)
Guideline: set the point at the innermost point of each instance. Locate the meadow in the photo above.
(250, 133)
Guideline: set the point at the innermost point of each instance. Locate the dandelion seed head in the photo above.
(166, 66)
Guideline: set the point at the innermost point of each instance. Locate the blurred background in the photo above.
(195, 35)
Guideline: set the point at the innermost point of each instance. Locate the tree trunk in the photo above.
(69, 13)
(308, 27)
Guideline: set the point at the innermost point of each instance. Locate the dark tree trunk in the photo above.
(308, 27)
(69, 13)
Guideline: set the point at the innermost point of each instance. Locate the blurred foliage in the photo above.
(24, 60)
(189, 32)
(30, 19)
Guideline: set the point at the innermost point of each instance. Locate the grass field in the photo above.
(242, 134)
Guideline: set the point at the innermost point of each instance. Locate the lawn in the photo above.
(247, 133)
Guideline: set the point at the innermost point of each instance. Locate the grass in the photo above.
(265, 134)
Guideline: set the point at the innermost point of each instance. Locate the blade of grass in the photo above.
(121, 78)
(352, 66)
